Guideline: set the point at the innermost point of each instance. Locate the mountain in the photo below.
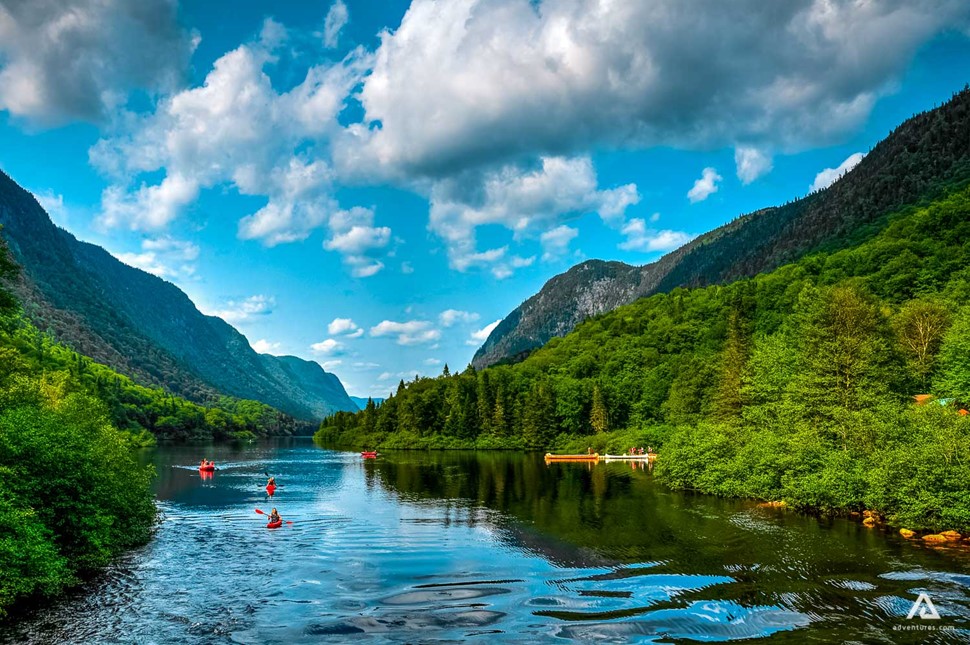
(145, 327)
(919, 160)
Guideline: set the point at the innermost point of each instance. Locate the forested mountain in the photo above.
(145, 327)
(794, 385)
(917, 161)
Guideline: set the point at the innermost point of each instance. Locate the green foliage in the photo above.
(793, 385)
(74, 495)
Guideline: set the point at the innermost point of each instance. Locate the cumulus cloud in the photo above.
(751, 163)
(705, 186)
(355, 237)
(451, 317)
(412, 332)
(164, 257)
(522, 201)
(646, 240)
(344, 327)
(234, 130)
(62, 60)
(337, 18)
(555, 242)
(480, 336)
(328, 346)
(829, 176)
(241, 311)
(514, 77)
(263, 346)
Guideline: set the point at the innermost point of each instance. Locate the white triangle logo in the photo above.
(925, 607)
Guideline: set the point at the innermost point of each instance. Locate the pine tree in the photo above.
(599, 418)
(728, 399)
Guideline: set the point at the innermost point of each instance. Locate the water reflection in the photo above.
(737, 569)
(419, 547)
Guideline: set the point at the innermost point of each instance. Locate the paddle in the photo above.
(262, 513)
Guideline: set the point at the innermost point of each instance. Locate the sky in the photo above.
(374, 184)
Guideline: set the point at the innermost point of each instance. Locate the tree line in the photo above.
(795, 385)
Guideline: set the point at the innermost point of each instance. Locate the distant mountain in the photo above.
(361, 401)
(921, 159)
(146, 327)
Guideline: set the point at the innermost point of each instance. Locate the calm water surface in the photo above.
(429, 547)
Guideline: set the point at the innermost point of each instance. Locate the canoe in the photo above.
(275, 525)
(369, 455)
(207, 469)
(644, 457)
(593, 457)
(270, 489)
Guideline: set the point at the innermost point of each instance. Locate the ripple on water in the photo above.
(698, 621)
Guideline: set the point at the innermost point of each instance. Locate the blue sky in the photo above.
(371, 184)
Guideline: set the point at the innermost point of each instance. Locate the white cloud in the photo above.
(751, 163)
(263, 346)
(234, 130)
(329, 365)
(355, 237)
(407, 268)
(829, 176)
(79, 59)
(412, 332)
(240, 311)
(705, 186)
(480, 336)
(164, 257)
(540, 77)
(646, 240)
(328, 346)
(404, 374)
(337, 18)
(344, 327)
(555, 242)
(451, 317)
(525, 202)
(432, 362)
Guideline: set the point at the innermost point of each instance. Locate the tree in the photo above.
(920, 326)
(728, 399)
(599, 418)
(954, 379)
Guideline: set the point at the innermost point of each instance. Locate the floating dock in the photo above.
(593, 457)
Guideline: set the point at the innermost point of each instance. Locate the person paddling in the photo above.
(271, 482)
(274, 517)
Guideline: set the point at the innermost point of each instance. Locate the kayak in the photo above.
(275, 525)
(270, 489)
(369, 455)
(207, 469)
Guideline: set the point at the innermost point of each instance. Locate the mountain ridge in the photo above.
(144, 326)
(892, 175)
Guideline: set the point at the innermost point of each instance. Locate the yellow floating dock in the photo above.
(593, 457)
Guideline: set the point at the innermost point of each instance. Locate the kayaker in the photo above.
(274, 516)
(202, 465)
(271, 482)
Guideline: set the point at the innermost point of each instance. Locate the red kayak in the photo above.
(275, 525)
(207, 469)
(270, 490)
(369, 455)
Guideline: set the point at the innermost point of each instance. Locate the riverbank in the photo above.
(910, 465)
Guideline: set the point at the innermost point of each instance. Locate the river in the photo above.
(420, 547)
